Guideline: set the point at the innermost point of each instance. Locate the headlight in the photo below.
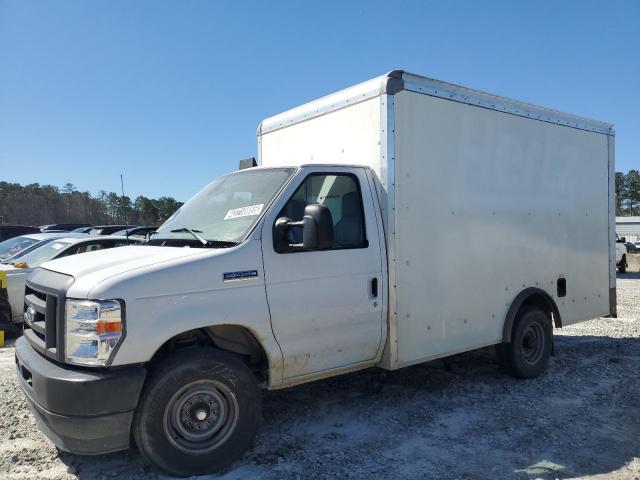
(93, 330)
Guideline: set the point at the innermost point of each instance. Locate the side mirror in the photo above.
(317, 230)
(621, 240)
(280, 230)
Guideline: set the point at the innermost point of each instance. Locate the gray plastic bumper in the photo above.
(81, 411)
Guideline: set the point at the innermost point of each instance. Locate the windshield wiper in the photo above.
(192, 232)
(204, 241)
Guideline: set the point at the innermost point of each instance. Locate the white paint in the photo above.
(529, 196)
(531, 201)
(322, 312)
(347, 136)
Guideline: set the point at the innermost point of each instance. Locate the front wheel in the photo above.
(528, 353)
(198, 413)
(623, 264)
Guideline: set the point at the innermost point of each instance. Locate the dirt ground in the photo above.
(460, 420)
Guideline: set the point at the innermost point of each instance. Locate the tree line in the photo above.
(628, 193)
(36, 204)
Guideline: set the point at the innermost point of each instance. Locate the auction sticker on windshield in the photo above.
(247, 211)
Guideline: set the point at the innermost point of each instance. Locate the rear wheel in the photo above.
(199, 412)
(528, 353)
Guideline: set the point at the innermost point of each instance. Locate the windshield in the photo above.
(15, 245)
(41, 254)
(227, 208)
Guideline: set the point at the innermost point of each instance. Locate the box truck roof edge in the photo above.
(398, 80)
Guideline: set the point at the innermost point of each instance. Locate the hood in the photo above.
(114, 261)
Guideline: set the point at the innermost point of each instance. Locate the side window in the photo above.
(340, 193)
(89, 247)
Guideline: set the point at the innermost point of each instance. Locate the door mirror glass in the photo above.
(281, 229)
(317, 228)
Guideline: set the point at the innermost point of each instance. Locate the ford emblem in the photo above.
(30, 314)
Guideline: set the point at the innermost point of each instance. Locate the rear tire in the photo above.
(198, 413)
(528, 353)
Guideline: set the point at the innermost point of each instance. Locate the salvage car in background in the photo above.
(19, 245)
(11, 231)
(82, 229)
(11, 310)
(108, 229)
(62, 227)
(138, 232)
(621, 254)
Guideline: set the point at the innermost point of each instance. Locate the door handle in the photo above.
(374, 287)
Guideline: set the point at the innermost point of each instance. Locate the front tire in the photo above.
(528, 353)
(198, 413)
(623, 264)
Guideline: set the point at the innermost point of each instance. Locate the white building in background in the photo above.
(628, 227)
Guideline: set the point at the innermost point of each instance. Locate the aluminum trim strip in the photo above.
(329, 103)
(457, 93)
(427, 86)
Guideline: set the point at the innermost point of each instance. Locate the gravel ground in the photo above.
(461, 419)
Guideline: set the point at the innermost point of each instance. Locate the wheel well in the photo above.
(231, 338)
(530, 296)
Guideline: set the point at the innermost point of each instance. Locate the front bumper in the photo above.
(81, 411)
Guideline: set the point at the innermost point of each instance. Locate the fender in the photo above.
(535, 295)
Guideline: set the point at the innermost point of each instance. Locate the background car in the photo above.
(64, 227)
(82, 229)
(621, 254)
(11, 311)
(10, 231)
(18, 245)
(631, 248)
(138, 232)
(108, 229)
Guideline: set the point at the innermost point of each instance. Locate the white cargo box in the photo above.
(483, 197)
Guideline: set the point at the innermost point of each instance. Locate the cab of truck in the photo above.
(240, 268)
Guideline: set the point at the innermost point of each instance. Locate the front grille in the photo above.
(44, 312)
(42, 325)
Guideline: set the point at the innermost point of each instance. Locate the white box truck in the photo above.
(340, 251)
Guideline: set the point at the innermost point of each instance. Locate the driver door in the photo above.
(326, 306)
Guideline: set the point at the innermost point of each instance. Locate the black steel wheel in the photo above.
(201, 416)
(199, 412)
(528, 353)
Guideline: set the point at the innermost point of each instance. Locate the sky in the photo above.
(170, 93)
